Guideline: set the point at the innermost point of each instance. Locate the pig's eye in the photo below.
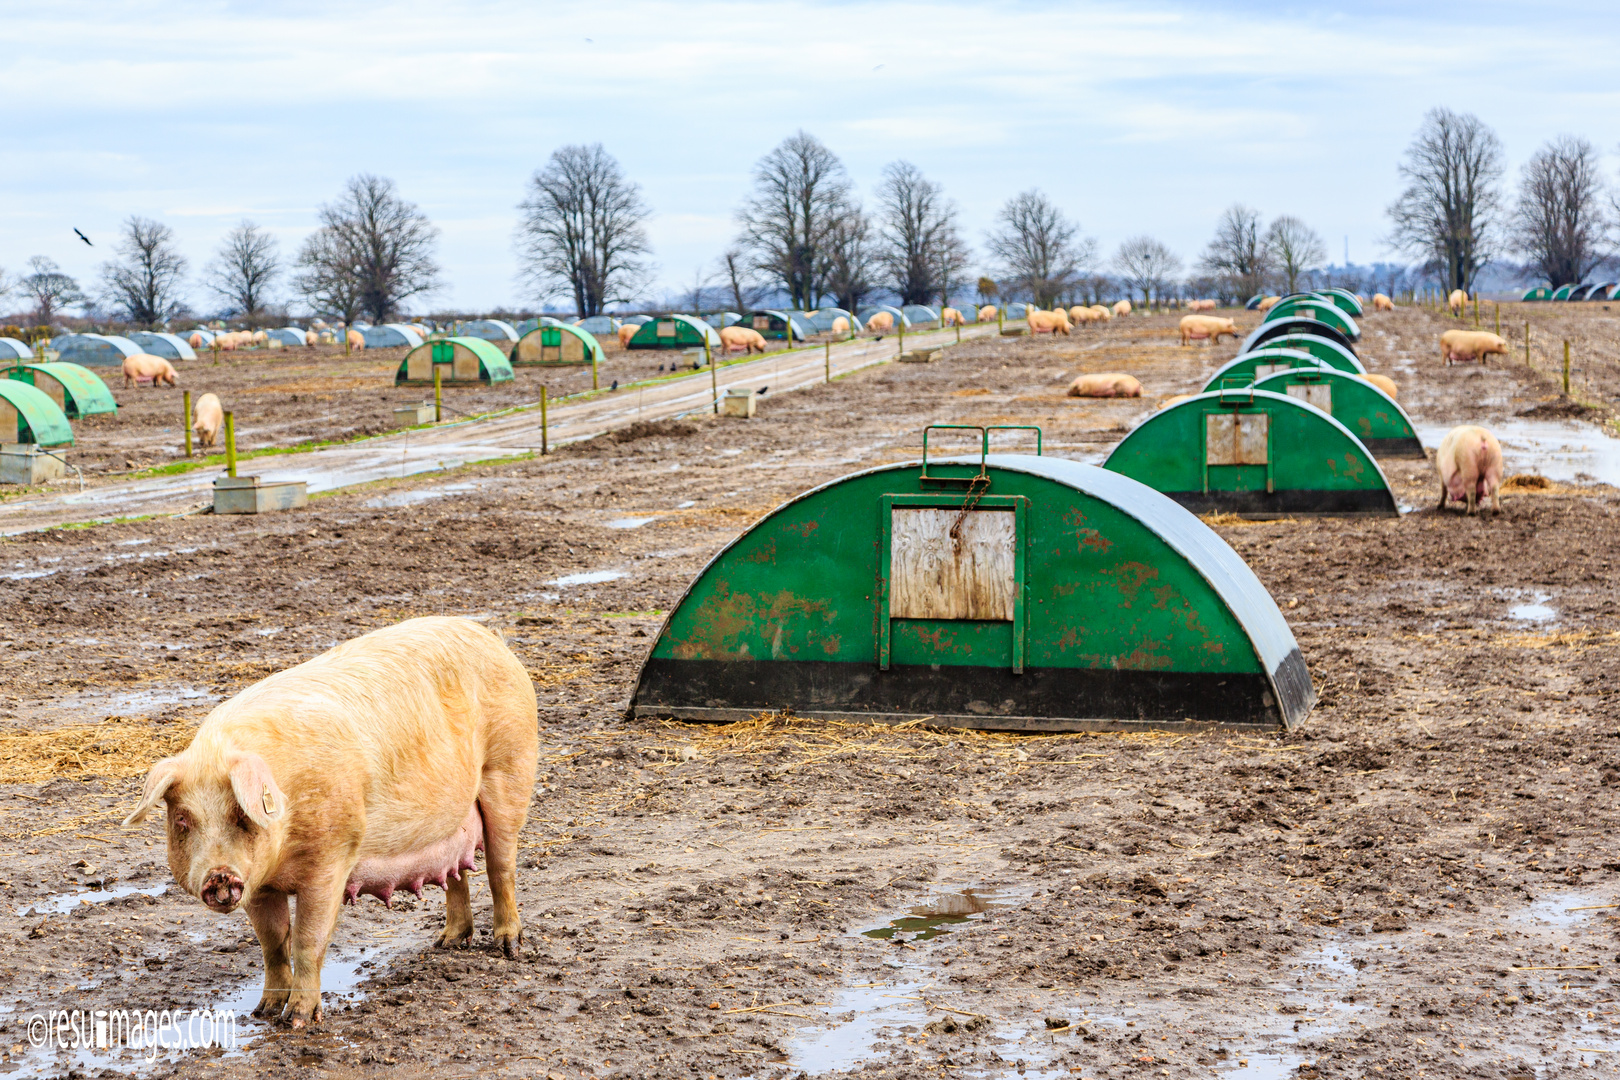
(241, 820)
(182, 822)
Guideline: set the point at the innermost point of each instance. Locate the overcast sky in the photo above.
(1140, 116)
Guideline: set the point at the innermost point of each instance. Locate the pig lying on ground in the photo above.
(146, 368)
(1201, 305)
(383, 764)
(1384, 383)
(1457, 301)
(1382, 303)
(1456, 345)
(741, 339)
(1048, 322)
(1105, 385)
(1122, 308)
(1470, 461)
(1206, 327)
(206, 419)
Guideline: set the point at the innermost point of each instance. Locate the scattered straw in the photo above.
(1532, 484)
(115, 749)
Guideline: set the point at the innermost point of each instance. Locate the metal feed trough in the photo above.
(1254, 453)
(997, 591)
(1371, 415)
(1315, 307)
(76, 391)
(1263, 333)
(458, 360)
(1330, 353)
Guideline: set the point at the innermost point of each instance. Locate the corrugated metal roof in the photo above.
(1292, 325)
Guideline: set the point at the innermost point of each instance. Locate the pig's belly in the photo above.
(382, 876)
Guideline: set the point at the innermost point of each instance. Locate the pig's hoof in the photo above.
(508, 941)
(270, 1006)
(450, 939)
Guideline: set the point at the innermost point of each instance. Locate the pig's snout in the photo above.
(222, 889)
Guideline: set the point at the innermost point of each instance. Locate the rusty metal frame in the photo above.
(1017, 504)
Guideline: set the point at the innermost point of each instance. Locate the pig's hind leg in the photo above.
(504, 802)
(268, 913)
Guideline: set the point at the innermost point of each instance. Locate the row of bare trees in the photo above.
(1456, 218)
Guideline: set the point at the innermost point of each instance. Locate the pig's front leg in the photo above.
(458, 921)
(318, 907)
(268, 913)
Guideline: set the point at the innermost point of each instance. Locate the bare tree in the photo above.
(1448, 211)
(244, 267)
(1238, 258)
(144, 285)
(850, 259)
(49, 289)
(382, 240)
(736, 274)
(331, 278)
(921, 250)
(801, 192)
(583, 231)
(1294, 248)
(1041, 251)
(1146, 266)
(1560, 226)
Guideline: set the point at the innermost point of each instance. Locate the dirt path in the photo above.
(1414, 884)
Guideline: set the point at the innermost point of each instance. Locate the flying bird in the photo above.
(878, 68)
(83, 237)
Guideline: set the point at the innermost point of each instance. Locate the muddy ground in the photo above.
(295, 396)
(1420, 882)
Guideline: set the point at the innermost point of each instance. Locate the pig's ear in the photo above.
(255, 788)
(158, 781)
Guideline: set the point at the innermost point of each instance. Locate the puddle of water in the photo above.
(1560, 450)
(928, 921)
(147, 699)
(422, 495)
(132, 543)
(1535, 611)
(629, 523)
(588, 577)
(270, 631)
(1560, 911)
(685, 505)
(62, 903)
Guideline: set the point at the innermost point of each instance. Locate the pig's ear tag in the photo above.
(269, 802)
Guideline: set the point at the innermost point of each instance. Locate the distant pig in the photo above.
(1174, 400)
(1268, 303)
(741, 339)
(950, 317)
(206, 419)
(146, 368)
(840, 325)
(626, 332)
(1458, 345)
(1382, 302)
(880, 322)
(1470, 461)
(1104, 312)
(988, 312)
(356, 340)
(385, 763)
(1123, 307)
(1201, 305)
(1384, 383)
(1048, 322)
(1457, 301)
(1105, 385)
(1206, 327)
